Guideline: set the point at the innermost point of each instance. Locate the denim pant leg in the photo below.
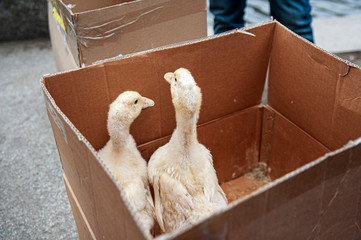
(228, 14)
(294, 14)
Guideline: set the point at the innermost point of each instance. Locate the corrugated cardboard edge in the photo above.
(233, 204)
(184, 43)
(263, 189)
(172, 45)
(179, 44)
(350, 64)
(81, 138)
(241, 30)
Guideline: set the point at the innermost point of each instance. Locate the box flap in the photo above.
(323, 97)
(231, 80)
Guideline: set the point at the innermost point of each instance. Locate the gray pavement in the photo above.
(33, 200)
(338, 34)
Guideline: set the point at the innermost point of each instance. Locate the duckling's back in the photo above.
(185, 185)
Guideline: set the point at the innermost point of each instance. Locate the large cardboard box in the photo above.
(93, 30)
(308, 134)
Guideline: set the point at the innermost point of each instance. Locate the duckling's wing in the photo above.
(177, 202)
(219, 196)
(158, 208)
(150, 200)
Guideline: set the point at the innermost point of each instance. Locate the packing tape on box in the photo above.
(88, 35)
(91, 33)
(111, 32)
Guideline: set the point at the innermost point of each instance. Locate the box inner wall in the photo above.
(232, 123)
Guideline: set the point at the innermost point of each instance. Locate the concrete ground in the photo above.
(33, 200)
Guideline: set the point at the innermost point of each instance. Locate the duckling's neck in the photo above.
(119, 136)
(186, 130)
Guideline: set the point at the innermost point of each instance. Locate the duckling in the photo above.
(121, 156)
(184, 180)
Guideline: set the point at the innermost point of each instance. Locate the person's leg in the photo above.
(228, 14)
(294, 14)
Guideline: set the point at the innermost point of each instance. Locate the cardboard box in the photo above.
(308, 134)
(96, 30)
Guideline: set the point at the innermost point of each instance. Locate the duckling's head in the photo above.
(125, 109)
(186, 95)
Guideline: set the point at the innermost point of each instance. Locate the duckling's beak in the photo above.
(147, 102)
(169, 77)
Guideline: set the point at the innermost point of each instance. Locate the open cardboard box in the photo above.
(86, 31)
(308, 134)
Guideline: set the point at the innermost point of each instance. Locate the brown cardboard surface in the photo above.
(82, 224)
(342, 184)
(292, 206)
(233, 154)
(356, 162)
(289, 146)
(94, 88)
(64, 60)
(323, 100)
(142, 25)
(98, 30)
(306, 198)
(240, 187)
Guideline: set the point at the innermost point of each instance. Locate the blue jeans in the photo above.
(294, 14)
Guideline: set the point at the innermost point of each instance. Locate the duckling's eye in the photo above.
(175, 79)
(136, 101)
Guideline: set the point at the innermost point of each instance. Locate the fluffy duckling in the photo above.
(121, 156)
(182, 174)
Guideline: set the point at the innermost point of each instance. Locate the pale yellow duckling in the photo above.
(121, 156)
(182, 174)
